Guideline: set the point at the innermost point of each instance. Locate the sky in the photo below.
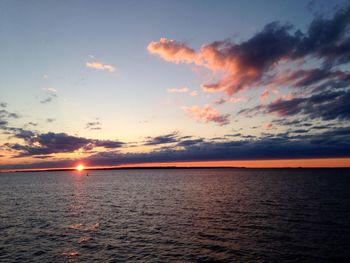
(244, 83)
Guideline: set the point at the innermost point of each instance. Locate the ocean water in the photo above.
(201, 215)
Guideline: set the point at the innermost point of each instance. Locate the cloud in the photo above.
(172, 51)
(239, 66)
(47, 100)
(299, 122)
(3, 104)
(49, 120)
(310, 64)
(332, 143)
(107, 144)
(230, 99)
(100, 66)
(186, 143)
(264, 96)
(52, 93)
(237, 99)
(219, 101)
(267, 125)
(183, 89)
(325, 105)
(207, 114)
(3, 123)
(163, 139)
(52, 143)
(4, 114)
(193, 93)
(328, 38)
(50, 90)
(94, 125)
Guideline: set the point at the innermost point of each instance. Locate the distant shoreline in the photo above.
(161, 168)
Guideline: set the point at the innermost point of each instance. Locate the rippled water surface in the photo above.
(231, 215)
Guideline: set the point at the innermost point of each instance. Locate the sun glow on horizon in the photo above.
(80, 167)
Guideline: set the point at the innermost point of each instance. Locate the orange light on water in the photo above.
(80, 167)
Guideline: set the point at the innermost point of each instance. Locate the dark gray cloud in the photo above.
(51, 94)
(326, 105)
(328, 38)
(94, 125)
(294, 122)
(185, 143)
(49, 120)
(46, 100)
(331, 143)
(51, 143)
(3, 122)
(8, 115)
(163, 139)
(108, 144)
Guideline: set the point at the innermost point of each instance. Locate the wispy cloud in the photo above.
(162, 139)
(3, 104)
(193, 93)
(8, 115)
(46, 100)
(183, 89)
(207, 114)
(264, 96)
(93, 125)
(51, 92)
(49, 120)
(230, 99)
(267, 125)
(100, 66)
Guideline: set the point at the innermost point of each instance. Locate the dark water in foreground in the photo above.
(238, 215)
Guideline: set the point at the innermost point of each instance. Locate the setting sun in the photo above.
(80, 167)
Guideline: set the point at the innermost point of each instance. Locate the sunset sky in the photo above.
(244, 83)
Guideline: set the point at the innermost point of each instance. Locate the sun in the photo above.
(80, 167)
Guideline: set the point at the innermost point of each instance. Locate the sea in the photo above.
(176, 215)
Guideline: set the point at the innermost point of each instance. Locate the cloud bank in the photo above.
(298, 143)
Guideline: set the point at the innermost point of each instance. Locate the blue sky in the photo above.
(46, 45)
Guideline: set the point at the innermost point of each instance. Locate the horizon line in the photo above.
(159, 168)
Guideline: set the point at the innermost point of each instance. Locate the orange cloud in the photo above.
(207, 114)
(264, 95)
(100, 66)
(231, 99)
(267, 125)
(172, 51)
(194, 93)
(218, 57)
(237, 99)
